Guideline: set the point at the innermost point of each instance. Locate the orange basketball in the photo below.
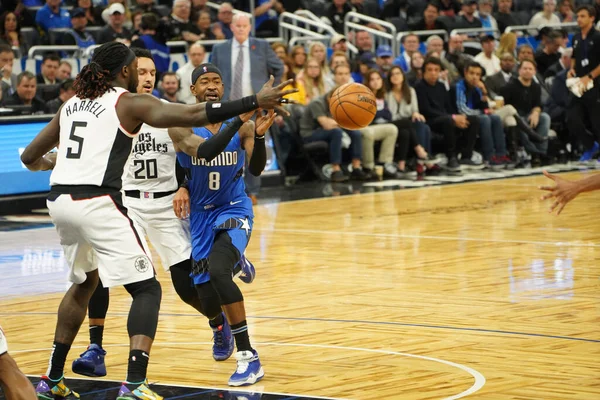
(353, 106)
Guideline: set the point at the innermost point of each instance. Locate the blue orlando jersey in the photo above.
(219, 182)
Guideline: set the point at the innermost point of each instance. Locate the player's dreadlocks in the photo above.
(94, 79)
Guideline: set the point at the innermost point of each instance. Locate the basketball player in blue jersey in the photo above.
(221, 215)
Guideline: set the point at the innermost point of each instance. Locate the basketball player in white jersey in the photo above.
(95, 129)
(14, 384)
(150, 184)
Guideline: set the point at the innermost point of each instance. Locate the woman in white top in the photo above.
(402, 101)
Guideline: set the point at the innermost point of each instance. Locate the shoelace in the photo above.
(218, 337)
(242, 366)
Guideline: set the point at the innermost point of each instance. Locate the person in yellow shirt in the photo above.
(288, 73)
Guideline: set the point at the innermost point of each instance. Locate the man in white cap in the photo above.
(338, 43)
(115, 31)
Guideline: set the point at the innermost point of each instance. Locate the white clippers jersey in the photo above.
(93, 146)
(151, 167)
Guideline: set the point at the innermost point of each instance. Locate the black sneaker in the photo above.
(468, 164)
(358, 174)
(338, 176)
(453, 164)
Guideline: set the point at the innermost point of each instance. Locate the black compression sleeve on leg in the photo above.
(98, 305)
(259, 156)
(222, 111)
(184, 286)
(209, 299)
(214, 146)
(143, 314)
(221, 261)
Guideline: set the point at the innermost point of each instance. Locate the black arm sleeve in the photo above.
(259, 156)
(217, 112)
(179, 173)
(216, 144)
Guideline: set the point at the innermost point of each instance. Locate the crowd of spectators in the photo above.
(507, 101)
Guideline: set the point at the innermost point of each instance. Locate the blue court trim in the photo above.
(357, 321)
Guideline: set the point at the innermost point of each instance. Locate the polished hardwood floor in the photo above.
(469, 290)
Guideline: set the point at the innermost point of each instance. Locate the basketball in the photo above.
(353, 106)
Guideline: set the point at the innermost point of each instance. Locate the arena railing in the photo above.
(439, 32)
(292, 28)
(53, 48)
(534, 28)
(357, 21)
(474, 31)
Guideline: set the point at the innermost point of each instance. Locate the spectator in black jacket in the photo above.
(550, 53)
(436, 105)
(525, 95)
(468, 20)
(430, 20)
(504, 17)
(25, 94)
(336, 12)
(49, 69)
(66, 92)
(563, 64)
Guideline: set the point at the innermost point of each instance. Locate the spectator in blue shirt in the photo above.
(52, 16)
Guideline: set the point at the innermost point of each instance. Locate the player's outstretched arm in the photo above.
(35, 155)
(564, 191)
(258, 159)
(135, 109)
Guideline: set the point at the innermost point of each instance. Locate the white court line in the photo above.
(407, 236)
(477, 376)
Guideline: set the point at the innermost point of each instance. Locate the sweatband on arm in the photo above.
(259, 156)
(218, 112)
(214, 146)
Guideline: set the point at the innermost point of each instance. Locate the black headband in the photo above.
(204, 69)
(128, 59)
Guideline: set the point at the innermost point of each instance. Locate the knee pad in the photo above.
(143, 315)
(149, 288)
(221, 261)
(209, 299)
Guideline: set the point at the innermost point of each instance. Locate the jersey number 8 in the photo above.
(214, 181)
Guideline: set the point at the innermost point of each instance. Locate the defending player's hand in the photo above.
(181, 203)
(264, 122)
(271, 97)
(563, 192)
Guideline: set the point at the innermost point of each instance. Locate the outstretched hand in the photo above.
(563, 192)
(264, 122)
(271, 97)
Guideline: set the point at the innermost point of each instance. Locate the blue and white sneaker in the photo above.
(91, 362)
(587, 156)
(249, 371)
(248, 272)
(223, 341)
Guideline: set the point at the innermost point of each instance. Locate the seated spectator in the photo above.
(563, 63)
(150, 40)
(79, 36)
(565, 11)
(416, 69)
(199, 6)
(497, 81)
(385, 59)
(170, 87)
(365, 62)
(338, 43)
(525, 52)
(92, 14)
(487, 59)
(363, 42)
(266, 17)
(147, 6)
(550, 53)
(336, 12)
(66, 92)
(411, 44)
(525, 96)
(224, 17)
(127, 15)
(430, 19)
(316, 125)
(312, 79)
(412, 130)
(472, 100)
(52, 16)
(435, 43)
(7, 58)
(318, 51)
(10, 32)
(508, 44)
(65, 71)
(196, 56)
(49, 69)
(115, 30)
(179, 21)
(381, 129)
(202, 30)
(341, 75)
(288, 73)
(504, 16)
(468, 20)
(449, 8)
(558, 103)
(298, 55)
(546, 16)
(456, 52)
(24, 94)
(280, 50)
(436, 105)
(485, 16)
(338, 58)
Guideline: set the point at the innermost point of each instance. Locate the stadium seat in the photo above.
(177, 61)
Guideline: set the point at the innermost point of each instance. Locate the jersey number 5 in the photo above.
(214, 181)
(77, 153)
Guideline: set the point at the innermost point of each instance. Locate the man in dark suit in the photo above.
(246, 64)
(24, 94)
(496, 82)
(49, 69)
(560, 65)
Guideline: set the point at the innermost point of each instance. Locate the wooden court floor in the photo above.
(468, 290)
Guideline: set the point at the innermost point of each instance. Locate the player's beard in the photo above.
(133, 84)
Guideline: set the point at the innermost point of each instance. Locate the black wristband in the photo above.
(258, 160)
(218, 112)
(185, 184)
(214, 146)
